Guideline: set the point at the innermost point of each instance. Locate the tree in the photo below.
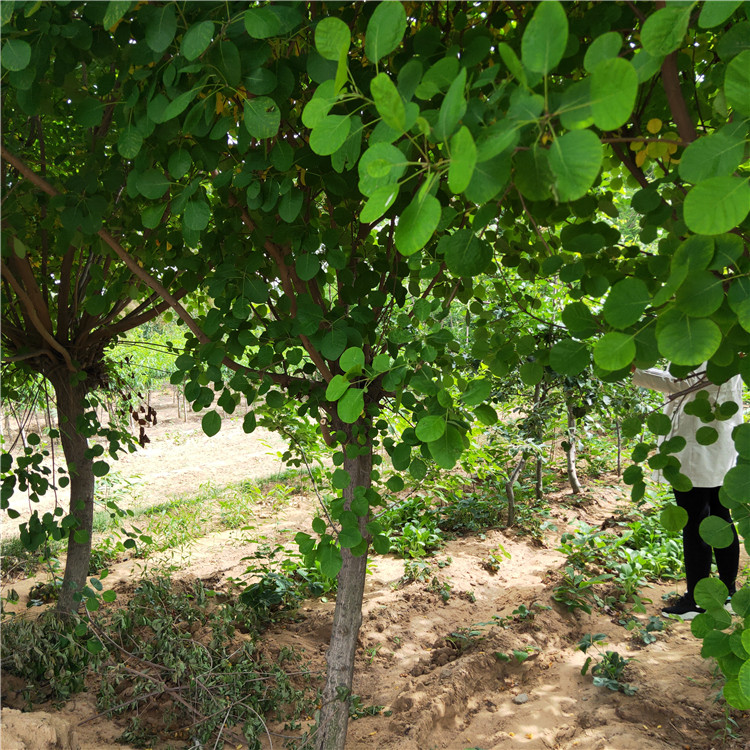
(349, 170)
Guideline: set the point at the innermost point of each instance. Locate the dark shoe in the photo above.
(685, 608)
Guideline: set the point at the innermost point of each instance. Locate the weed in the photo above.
(372, 652)
(442, 588)
(520, 655)
(522, 613)
(464, 638)
(415, 570)
(576, 589)
(494, 560)
(645, 634)
(607, 668)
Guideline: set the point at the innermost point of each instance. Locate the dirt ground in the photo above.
(433, 693)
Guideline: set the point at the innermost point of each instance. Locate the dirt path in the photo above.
(429, 649)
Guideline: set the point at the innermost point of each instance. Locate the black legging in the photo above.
(701, 502)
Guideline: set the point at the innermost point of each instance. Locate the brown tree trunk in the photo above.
(70, 407)
(347, 618)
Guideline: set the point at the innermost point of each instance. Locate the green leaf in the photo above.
(341, 479)
(211, 423)
(388, 101)
(489, 178)
(332, 38)
(614, 351)
(706, 435)
(380, 542)
(196, 39)
(700, 295)
(262, 117)
(626, 302)
(177, 106)
(15, 54)
(381, 363)
(114, 13)
(569, 357)
(336, 388)
(710, 593)
(351, 405)
(465, 254)
(329, 135)
(741, 437)
(664, 30)
(578, 320)
(716, 155)
(614, 87)
(531, 373)
(197, 215)
(152, 184)
(545, 38)
(463, 153)
(575, 159)
(717, 205)
(385, 30)
(349, 537)
(307, 266)
(689, 341)
(715, 13)
(604, 47)
(717, 532)
(161, 28)
(673, 518)
(736, 692)
(99, 468)
(486, 414)
(129, 143)
(378, 203)
(330, 560)
(659, 424)
(737, 83)
(352, 359)
(431, 428)
(452, 108)
(371, 167)
(448, 448)
(476, 392)
(179, 163)
(271, 20)
(417, 223)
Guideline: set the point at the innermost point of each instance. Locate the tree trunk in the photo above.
(511, 493)
(539, 477)
(570, 454)
(619, 447)
(347, 618)
(71, 407)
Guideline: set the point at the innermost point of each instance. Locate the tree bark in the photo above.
(570, 454)
(347, 618)
(70, 407)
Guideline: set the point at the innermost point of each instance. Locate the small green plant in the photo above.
(442, 588)
(645, 634)
(520, 655)
(372, 652)
(465, 638)
(607, 668)
(495, 559)
(415, 570)
(576, 589)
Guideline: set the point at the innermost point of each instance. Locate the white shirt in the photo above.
(704, 465)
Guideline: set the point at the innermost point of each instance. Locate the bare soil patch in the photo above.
(428, 649)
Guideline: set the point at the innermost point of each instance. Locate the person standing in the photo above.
(705, 466)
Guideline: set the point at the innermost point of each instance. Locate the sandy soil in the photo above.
(434, 694)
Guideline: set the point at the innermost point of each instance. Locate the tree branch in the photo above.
(670, 79)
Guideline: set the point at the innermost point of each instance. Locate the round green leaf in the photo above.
(16, 54)
(211, 423)
(152, 184)
(710, 593)
(717, 532)
(161, 28)
(712, 14)
(575, 159)
(476, 392)
(349, 537)
(271, 20)
(430, 428)
(545, 38)
(99, 468)
(352, 359)
(531, 373)
(395, 484)
(486, 414)
(197, 215)
(604, 47)
(614, 87)
(614, 351)
(332, 38)
(385, 30)
(700, 295)
(448, 448)
(351, 405)
(129, 143)
(380, 542)
(179, 163)
(569, 357)
(626, 302)
(465, 254)
(307, 266)
(341, 479)
(717, 205)
(715, 155)
(659, 424)
(741, 437)
(737, 83)
(336, 388)
(736, 691)
(329, 135)
(689, 341)
(578, 320)
(706, 435)
(330, 560)
(665, 30)
(372, 180)
(262, 117)
(417, 223)
(673, 518)
(196, 39)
